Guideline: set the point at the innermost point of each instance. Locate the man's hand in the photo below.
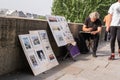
(97, 31)
(94, 32)
(89, 29)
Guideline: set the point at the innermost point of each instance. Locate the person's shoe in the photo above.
(119, 52)
(112, 57)
(94, 54)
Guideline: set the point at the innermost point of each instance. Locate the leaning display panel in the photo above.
(30, 54)
(35, 53)
(60, 30)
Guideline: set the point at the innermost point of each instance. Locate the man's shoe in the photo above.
(94, 54)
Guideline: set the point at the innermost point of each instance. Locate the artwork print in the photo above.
(33, 60)
(56, 28)
(43, 36)
(26, 42)
(35, 40)
(60, 38)
(48, 47)
(51, 57)
(41, 55)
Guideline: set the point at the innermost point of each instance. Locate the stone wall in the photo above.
(12, 57)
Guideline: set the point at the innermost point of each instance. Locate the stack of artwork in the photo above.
(38, 51)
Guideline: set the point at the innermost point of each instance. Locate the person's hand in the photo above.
(93, 32)
(107, 29)
(89, 29)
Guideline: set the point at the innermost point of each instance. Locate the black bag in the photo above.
(107, 36)
(81, 45)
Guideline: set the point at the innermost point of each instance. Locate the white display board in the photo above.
(60, 30)
(30, 54)
(38, 51)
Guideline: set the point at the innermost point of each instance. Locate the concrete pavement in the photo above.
(85, 68)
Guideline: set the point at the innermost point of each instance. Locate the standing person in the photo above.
(93, 26)
(114, 26)
(106, 20)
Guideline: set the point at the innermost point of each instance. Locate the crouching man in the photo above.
(92, 28)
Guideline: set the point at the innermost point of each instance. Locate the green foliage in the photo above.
(42, 17)
(78, 10)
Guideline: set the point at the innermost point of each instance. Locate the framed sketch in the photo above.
(41, 55)
(30, 53)
(47, 47)
(43, 35)
(35, 40)
(33, 60)
(25, 41)
(51, 57)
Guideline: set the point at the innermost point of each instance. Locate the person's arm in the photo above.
(85, 26)
(110, 13)
(85, 29)
(97, 31)
(109, 22)
(104, 20)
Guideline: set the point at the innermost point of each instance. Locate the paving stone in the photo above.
(55, 76)
(101, 63)
(86, 65)
(113, 67)
(81, 78)
(97, 75)
(67, 77)
(71, 77)
(72, 70)
(112, 74)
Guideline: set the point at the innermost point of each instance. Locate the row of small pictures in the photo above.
(41, 57)
(34, 39)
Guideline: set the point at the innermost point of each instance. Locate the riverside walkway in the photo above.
(85, 68)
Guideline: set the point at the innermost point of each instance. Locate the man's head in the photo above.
(94, 16)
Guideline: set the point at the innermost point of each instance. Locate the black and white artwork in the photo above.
(41, 55)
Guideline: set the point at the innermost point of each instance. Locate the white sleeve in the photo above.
(111, 9)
